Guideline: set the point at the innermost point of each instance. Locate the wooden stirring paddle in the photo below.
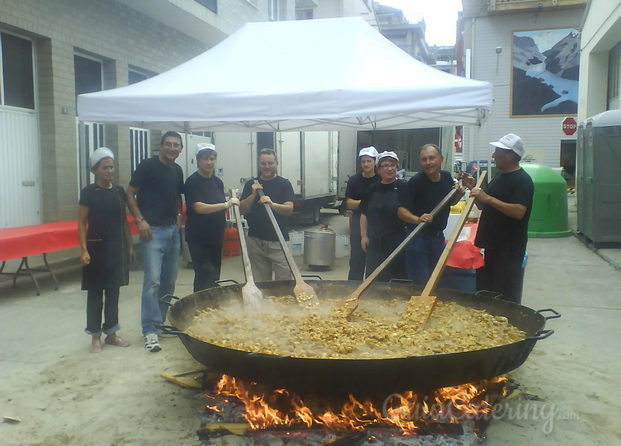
(251, 295)
(424, 304)
(352, 301)
(303, 292)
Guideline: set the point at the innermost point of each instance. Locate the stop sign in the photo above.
(569, 126)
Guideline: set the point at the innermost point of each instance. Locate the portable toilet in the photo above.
(548, 217)
(598, 179)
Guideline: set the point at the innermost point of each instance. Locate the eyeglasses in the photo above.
(386, 166)
(175, 145)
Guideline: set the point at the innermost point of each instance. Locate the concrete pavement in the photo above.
(54, 385)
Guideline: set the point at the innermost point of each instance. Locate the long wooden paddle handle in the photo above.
(371, 277)
(283, 243)
(437, 271)
(242, 241)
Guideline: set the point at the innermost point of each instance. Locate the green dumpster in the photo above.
(548, 217)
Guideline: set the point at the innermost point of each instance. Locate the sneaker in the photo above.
(152, 343)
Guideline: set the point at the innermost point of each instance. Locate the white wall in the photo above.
(601, 31)
(542, 135)
(236, 157)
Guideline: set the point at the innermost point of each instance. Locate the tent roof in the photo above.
(329, 74)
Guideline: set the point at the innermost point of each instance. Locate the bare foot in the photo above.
(114, 339)
(96, 346)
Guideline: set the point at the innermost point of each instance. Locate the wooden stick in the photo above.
(437, 271)
(234, 428)
(353, 299)
(252, 296)
(303, 292)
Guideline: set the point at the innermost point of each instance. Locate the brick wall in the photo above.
(104, 29)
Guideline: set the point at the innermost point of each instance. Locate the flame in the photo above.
(408, 411)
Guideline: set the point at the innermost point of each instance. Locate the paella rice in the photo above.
(379, 329)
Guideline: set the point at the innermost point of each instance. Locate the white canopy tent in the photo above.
(329, 74)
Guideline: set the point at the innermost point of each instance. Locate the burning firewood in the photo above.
(411, 414)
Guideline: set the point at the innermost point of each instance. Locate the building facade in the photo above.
(53, 50)
(600, 59)
(325, 9)
(410, 37)
(530, 52)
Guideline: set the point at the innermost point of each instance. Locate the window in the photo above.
(138, 146)
(17, 80)
(212, 5)
(135, 75)
(90, 137)
(614, 78)
(273, 7)
(304, 14)
(88, 74)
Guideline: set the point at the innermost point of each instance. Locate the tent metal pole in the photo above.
(186, 130)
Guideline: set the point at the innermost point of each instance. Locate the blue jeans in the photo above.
(160, 256)
(422, 255)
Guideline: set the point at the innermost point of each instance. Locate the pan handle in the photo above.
(170, 330)
(407, 281)
(487, 293)
(168, 299)
(555, 314)
(542, 334)
(312, 276)
(219, 282)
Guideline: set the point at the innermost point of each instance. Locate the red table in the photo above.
(25, 241)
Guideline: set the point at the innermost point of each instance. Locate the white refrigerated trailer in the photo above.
(309, 160)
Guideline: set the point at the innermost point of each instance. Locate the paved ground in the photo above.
(66, 396)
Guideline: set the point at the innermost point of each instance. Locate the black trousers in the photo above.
(207, 262)
(94, 306)
(379, 249)
(357, 257)
(502, 273)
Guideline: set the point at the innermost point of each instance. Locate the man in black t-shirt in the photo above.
(154, 198)
(503, 226)
(357, 186)
(425, 190)
(204, 229)
(266, 254)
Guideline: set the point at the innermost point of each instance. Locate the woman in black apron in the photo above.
(357, 186)
(105, 244)
(380, 227)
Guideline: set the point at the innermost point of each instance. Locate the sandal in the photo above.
(114, 339)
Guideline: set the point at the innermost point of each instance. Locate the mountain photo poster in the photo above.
(545, 72)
